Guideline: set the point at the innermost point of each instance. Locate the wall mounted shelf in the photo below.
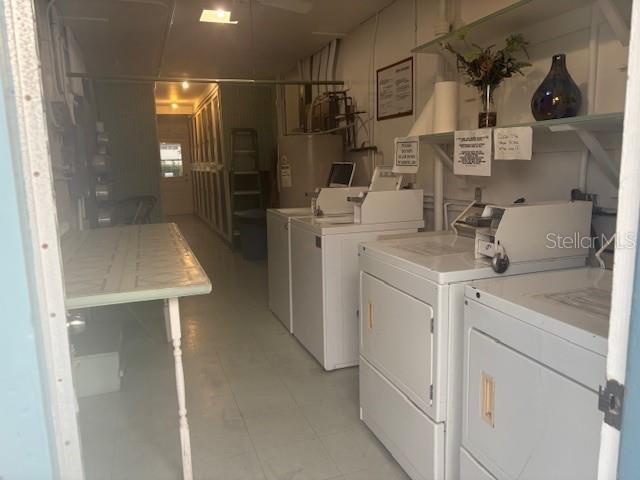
(520, 15)
(503, 22)
(604, 122)
(584, 127)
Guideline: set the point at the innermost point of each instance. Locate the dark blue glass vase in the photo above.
(558, 96)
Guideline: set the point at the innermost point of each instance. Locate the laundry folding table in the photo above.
(137, 263)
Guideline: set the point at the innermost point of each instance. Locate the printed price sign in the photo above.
(472, 152)
(285, 176)
(407, 155)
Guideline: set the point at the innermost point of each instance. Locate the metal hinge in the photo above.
(610, 401)
(319, 242)
(431, 392)
(432, 325)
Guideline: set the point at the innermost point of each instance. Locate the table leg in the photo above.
(185, 441)
(167, 320)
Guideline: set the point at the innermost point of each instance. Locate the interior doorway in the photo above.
(175, 158)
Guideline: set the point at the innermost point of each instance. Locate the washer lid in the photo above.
(573, 304)
(344, 224)
(448, 258)
(290, 212)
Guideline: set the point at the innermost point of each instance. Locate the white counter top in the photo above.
(130, 264)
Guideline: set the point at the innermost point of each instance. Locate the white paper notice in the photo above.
(285, 176)
(472, 152)
(513, 143)
(407, 155)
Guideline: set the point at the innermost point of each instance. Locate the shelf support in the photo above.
(448, 59)
(600, 155)
(443, 156)
(615, 20)
(604, 161)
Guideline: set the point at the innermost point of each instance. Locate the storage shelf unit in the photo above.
(246, 181)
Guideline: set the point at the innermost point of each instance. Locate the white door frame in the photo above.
(625, 253)
(23, 74)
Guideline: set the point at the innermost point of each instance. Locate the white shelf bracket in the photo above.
(450, 60)
(443, 156)
(615, 20)
(602, 158)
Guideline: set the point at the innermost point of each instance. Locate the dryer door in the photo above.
(396, 337)
(523, 420)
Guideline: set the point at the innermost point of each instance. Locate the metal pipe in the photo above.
(226, 81)
(591, 91)
(323, 132)
(438, 194)
(165, 37)
(442, 26)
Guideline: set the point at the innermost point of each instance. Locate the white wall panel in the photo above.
(552, 173)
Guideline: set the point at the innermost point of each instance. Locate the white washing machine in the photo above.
(535, 356)
(324, 281)
(412, 299)
(333, 202)
(279, 260)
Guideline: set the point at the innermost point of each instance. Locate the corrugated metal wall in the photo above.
(128, 113)
(250, 107)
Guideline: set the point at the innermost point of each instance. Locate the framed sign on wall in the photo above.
(394, 87)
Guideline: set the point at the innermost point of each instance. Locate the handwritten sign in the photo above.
(395, 90)
(513, 143)
(472, 152)
(407, 155)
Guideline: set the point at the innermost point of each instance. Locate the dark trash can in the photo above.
(252, 225)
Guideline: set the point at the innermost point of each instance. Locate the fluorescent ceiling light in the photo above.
(217, 16)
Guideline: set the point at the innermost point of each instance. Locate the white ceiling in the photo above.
(126, 37)
(167, 93)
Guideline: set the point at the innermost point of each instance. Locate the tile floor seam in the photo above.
(255, 450)
(324, 450)
(244, 423)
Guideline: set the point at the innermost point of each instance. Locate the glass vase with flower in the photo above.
(486, 68)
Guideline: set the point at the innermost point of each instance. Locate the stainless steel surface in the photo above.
(101, 163)
(105, 216)
(76, 321)
(104, 192)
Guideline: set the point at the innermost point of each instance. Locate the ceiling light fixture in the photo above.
(217, 16)
(174, 106)
(185, 85)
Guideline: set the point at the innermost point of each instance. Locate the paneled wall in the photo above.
(390, 35)
(128, 113)
(209, 173)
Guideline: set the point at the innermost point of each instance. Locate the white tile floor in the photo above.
(259, 405)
